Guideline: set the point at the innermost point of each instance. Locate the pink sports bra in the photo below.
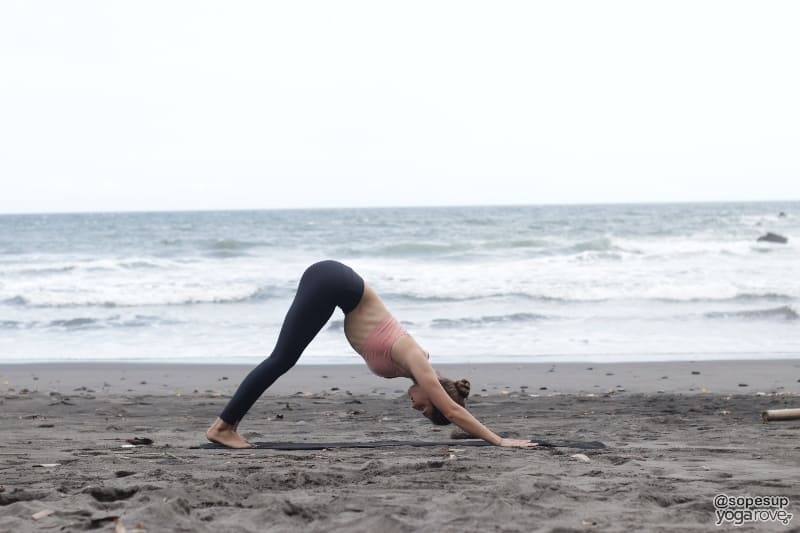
(377, 348)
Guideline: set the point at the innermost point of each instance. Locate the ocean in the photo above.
(591, 283)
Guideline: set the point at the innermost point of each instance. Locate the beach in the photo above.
(589, 211)
(677, 434)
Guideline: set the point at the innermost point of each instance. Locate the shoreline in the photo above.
(673, 377)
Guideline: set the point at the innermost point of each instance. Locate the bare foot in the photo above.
(223, 433)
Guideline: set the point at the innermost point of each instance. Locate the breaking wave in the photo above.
(468, 322)
(784, 312)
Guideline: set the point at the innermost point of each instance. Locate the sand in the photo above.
(677, 434)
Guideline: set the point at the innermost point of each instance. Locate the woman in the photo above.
(373, 332)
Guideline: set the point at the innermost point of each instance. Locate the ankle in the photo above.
(220, 425)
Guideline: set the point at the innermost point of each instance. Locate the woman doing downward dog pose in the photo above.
(373, 332)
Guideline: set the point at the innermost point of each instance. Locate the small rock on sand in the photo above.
(42, 514)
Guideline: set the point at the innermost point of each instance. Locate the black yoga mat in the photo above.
(581, 444)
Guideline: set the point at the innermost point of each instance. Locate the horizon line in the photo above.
(379, 207)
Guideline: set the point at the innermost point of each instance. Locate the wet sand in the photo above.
(677, 435)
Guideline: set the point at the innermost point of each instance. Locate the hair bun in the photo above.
(462, 386)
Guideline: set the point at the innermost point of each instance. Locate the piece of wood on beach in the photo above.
(780, 414)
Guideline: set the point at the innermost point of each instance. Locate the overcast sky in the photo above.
(140, 105)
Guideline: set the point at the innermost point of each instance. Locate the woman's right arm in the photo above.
(461, 417)
(426, 378)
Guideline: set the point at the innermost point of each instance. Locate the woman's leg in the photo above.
(322, 287)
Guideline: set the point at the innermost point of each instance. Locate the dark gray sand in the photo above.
(669, 453)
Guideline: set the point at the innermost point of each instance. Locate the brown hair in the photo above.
(458, 391)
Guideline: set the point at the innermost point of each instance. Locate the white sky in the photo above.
(214, 105)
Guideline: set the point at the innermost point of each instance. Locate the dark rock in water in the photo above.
(773, 237)
(781, 215)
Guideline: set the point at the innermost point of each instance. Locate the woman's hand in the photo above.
(517, 443)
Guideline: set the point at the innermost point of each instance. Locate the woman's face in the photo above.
(420, 400)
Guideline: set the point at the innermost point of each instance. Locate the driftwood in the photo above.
(780, 414)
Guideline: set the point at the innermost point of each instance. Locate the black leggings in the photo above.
(324, 285)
